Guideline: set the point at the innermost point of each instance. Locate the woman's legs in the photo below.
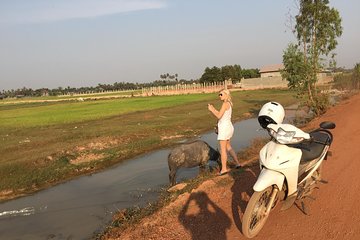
(223, 153)
(232, 152)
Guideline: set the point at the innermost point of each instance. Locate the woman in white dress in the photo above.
(225, 129)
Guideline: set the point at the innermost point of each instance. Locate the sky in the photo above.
(60, 43)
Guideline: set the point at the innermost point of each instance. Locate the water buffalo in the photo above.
(189, 155)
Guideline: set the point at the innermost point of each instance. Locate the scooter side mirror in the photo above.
(327, 125)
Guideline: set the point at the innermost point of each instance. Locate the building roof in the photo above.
(272, 68)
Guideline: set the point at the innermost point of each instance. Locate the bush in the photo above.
(322, 103)
(343, 82)
(348, 81)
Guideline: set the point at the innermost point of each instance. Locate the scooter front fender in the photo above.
(268, 178)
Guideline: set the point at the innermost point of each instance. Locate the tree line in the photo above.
(117, 86)
(214, 74)
(235, 73)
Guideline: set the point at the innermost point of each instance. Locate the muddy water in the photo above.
(74, 210)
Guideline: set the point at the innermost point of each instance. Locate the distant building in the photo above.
(271, 70)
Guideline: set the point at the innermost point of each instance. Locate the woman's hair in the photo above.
(228, 98)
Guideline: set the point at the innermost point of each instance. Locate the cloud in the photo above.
(25, 11)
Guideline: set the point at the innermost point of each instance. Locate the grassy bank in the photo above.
(46, 143)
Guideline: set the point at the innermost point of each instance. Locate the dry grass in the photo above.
(251, 154)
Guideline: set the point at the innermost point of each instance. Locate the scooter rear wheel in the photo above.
(254, 217)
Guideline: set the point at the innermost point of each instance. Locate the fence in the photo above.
(245, 84)
(186, 88)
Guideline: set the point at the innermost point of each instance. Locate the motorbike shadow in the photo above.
(242, 190)
(199, 212)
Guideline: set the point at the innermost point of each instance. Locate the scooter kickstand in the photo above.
(323, 181)
(304, 208)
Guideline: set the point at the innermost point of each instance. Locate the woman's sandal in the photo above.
(223, 173)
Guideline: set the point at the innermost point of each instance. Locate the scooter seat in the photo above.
(313, 149)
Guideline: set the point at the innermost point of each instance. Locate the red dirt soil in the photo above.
(215, 209)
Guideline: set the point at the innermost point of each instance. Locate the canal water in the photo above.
(80, 208)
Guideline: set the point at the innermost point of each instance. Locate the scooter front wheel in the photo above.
(255, 214)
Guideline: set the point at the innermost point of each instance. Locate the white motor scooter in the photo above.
(290, 166)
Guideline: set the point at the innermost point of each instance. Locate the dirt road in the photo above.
(215, 209)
